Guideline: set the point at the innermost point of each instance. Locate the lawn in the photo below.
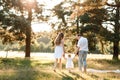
(41, 69)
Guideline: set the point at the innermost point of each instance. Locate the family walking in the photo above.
(59, 52)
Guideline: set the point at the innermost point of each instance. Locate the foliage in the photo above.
(11, 34)
(95, 18)
(43, 42)
(72, 17)
(16, 16)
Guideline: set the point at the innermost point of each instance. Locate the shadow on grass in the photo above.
(77, 76)
(65, 76)
(16, 69)
(113, 62)
(45, 65)
(104, 64)
(94, 76)
(24, 69)
(14, 63)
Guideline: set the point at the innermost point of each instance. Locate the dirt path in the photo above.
(103, 71)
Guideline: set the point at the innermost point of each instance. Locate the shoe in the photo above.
(69, 71)
(54, 70)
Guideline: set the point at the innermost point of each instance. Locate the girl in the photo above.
(69, 63)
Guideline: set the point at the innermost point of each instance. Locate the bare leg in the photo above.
(69, 70)
(55, 64)
(60, 63)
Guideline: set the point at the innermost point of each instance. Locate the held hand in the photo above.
(64, 55)
(76, 54)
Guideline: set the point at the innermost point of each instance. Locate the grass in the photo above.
(103, 64)
(41, 69)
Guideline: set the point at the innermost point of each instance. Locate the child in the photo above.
(69, 62)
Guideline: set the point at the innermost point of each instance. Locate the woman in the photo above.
(59, 50)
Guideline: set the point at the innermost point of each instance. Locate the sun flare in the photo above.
(41, 27)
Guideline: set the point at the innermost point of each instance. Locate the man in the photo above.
(82, 49)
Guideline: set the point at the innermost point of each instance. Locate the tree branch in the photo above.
(117, 5)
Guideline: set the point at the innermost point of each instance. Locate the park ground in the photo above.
(13, 66)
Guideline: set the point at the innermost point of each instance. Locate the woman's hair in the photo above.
(58, 39)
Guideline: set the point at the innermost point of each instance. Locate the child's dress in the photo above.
(69, 63)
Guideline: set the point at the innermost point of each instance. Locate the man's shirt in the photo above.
(83, 44)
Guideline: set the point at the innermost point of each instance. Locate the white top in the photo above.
(83, 44)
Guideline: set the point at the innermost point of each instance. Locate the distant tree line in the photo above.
(40, 45)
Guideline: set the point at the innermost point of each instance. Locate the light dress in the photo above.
(58, 52)
(69, 63)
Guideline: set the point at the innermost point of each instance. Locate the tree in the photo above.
(63, 11)
(25, 11)
(115, 18)
(111, 16)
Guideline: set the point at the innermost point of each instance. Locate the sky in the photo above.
(40, 27)
(49, 5)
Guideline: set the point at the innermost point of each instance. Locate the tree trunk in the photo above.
(116, 36)
(28, 35)
(78, 30)
(28, 41)
(102, 46)
(116, 50)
